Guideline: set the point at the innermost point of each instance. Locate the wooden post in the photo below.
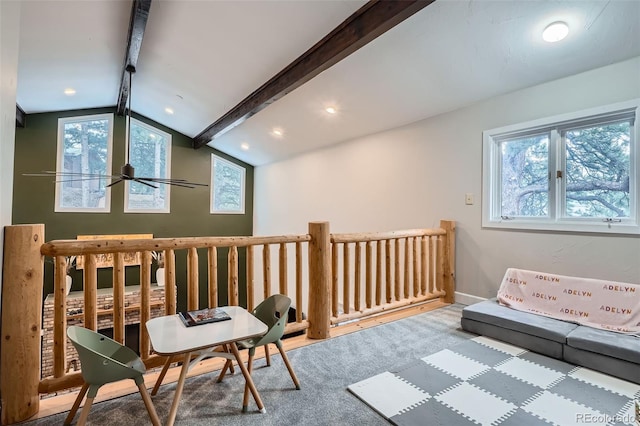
(449, 285)
(118, 298)
(193, 283)
(357, 278)
(298, 282)
(266, 270)
(334, 279)
(90, 291)
(232, 294)
(213, 276)
(250, 283)
(346, 303)
(319, 280)
(378, 273)
(282, 269)
(23, 272)
(169, 282)
(145, 304)
(60, 317)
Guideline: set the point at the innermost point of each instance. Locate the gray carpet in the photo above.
(325, 369)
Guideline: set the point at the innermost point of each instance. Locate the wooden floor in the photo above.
(58, 404)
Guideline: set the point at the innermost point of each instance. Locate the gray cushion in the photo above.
(491, 312)
(522, 340)
(616, 367)
(605, 342)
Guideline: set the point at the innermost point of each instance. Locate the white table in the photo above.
(170, 337)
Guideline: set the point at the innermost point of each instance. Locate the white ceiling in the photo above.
(203, 57)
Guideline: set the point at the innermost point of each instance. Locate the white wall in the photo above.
(415, 175)
(9, 33)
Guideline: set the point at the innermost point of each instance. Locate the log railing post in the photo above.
(60, 317)
(169, 282)
(23, 272)
(449, 266)
(193, 285)
(232, 289)
(319, 280)
(118, 298)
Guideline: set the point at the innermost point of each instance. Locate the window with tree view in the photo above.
(227, 186)
(150, 155)
(576, 172)
(84, 155)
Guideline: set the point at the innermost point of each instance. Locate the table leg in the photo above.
(179, 387)
(161, 376)
(248, 379)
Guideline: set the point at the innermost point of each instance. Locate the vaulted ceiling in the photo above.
(200, 59)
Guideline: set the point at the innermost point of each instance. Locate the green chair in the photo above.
(103, 361)
(273, 311)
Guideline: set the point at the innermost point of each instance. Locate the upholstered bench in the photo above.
(610, 352)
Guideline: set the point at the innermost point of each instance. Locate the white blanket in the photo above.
(601, 304)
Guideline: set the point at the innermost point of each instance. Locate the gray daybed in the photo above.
(609, 352)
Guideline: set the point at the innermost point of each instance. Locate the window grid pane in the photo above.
(149, 155)
(524, 176)
(85, 150)
(598, 165)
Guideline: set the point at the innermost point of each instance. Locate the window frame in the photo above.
(557, 127)
(243, 189)
(127, 184)
(60, 163)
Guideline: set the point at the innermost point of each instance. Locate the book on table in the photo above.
(203, 316)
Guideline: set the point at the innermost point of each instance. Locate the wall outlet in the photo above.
(468, 198)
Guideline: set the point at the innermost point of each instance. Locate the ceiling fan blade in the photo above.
(176, 182)
(140, 180)
(75, 180)
(113, 183)
(58, 174)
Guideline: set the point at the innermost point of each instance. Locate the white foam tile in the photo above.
(621, 387)
(499, 346)
(561, 411)
(455, 364)
(475, 404)
(388, 394)
(529, 372)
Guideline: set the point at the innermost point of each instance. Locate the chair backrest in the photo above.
(103, 360)
(273, 311)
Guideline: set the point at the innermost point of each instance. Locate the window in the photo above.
(84, 147)
(576, 172)
(227, 186)
(150, 155)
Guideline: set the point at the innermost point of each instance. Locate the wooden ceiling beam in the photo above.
(21, 117)
(138, 22)
(371, 20)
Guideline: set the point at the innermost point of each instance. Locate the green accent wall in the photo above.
(34, 197)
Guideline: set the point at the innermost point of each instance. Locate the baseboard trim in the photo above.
(468, 299)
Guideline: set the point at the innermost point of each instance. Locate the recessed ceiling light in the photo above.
(331, 110)
(555, 31)
(244, 146)
(277, 132)
(69, 91)
(168, 110)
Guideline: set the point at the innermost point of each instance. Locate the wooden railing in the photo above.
(389, 270)
(397, 269)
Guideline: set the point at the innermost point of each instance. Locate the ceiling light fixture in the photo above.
(555, 31)
(277, 132)
(244, 146)
(168, 110)
(127, 172)
(331, 110)
(69, 91)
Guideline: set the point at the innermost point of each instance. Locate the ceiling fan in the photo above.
(127, 172)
